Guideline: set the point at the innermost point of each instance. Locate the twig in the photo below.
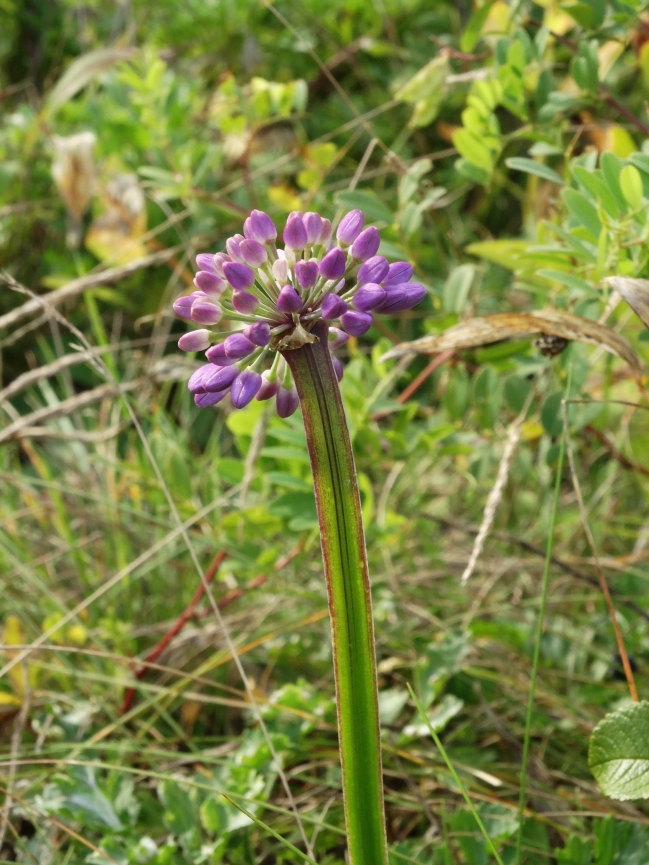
(417, 382)
(628, 672)
(615, 453)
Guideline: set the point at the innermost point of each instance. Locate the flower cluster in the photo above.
(278, 295)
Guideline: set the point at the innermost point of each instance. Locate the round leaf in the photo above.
(618, 753)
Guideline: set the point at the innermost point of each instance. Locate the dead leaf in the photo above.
(636, 294)
(74, 173)
(515, 325)
(80, 72)
(115, 233)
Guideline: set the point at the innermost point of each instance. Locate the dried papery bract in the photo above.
(74, 173)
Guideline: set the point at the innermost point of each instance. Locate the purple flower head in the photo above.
(240, 276)
(350, 227)
(333, 264)
(245, 388)
(220, 378)
(373, 270)
(245, 302)
(333, 306)
(254, 254)
(295, 236)
(268, 388)
(366, 244)
(195, 340)
(368, 297)
(274, 297)
(205, 400)
(289, 300)
(306, 273)
(205, 312)
(286, 401)
(356, 323)
(313, 225)
(209, 282)
(237, 346)
(205, 261)
(397, 273)
(259, 333)
(260, 227)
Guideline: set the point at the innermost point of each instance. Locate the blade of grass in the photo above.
(490, 844)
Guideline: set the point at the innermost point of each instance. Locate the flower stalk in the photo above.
(348, 588)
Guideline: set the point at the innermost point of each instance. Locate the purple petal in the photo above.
(195, 340)
(313, 225)
(366, 244)
(289, 300)
(398, 273)
(245, 388)
(220, 259)
(196, 379)
(209, 282)
(234, 251)
(333, 264)
(237, 346)
(332, 306)
(244, 302)
(220, 379)
(205, 400)
(356, 323)
(253, 253)
(204, 312)
(337, 338)
(286, 401)
(260, 227)
(183, 305)
(268, 388)
(368, 297)
(350, 227)
(402, 297)
(259, 333)
(240, 276)
(216, 355)
(205, 261)
(373, 270)
(295, 236)
(306, 273)
(325, 234)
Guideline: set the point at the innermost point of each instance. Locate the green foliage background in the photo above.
(503, 149)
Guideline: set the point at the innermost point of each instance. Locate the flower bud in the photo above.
(398, 273)
(338, 368)
(333, 264)
(289, 300)
(220, 379)
(197, 378)
(337, 338)
(240, 276)
(237, 346)
(286, 401)
(205, 400)
(313, 225)
(195, 340)
(245, 388)
(204, 312)
(244, 302)
(209, 282)
(234, 250)
(366, 244)
(350, 227)
(368, 297)
(401, 297)
(295, 236)
(356, 323)
(259, 333)
(183, 305)
(220, 259)
(325, 234)
(253, 253)
(280, 270)
(332, 306)
(268, 388)
(217, 356)
(260, 227)
(373, 270)
(205, 261)
(306, 273)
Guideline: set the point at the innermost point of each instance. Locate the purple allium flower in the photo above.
(333, 264)
(289, 300)
(240, 276)
(277, 295)
(195, 340)
(269, 387)
(313, 225)
(286, 401)
(333, 306)
(254, 254)
(237, 346)
(356, 323)
(368, 297)
(373, 270)
(350, 227)
(205, 312)
(397, 273)
(245, 388)
(260, 227)
(366, 244)
(306, 273)
(295, 236)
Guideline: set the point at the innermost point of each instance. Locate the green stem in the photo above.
(350, 604)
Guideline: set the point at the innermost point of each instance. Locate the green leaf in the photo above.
(529, 166)
(583, 211)
(569, 280)
(474, 28)
(618, 753)
(551, 414)
(471, 147)
(368, 202)
(516, 390)
(457, 287)
(429, 81)
(594, 185)
(631, 186)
